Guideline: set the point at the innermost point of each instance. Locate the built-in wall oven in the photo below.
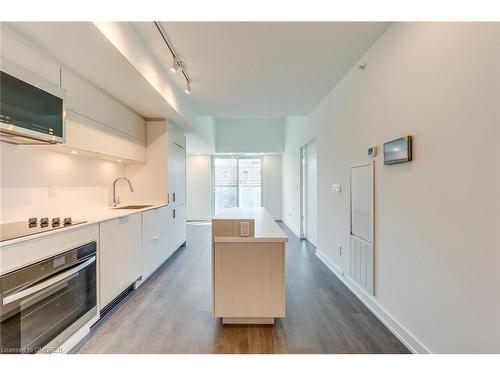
(43, 304)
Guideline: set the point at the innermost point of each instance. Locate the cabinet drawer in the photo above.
(120, 255)
(154, 253)
(154, 223)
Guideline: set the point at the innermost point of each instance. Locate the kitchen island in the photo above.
(248, 267)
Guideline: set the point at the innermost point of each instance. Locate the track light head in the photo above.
(187, 90)
(175, 66)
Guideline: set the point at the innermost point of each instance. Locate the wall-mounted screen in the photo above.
(398, 150)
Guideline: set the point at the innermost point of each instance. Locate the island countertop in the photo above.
(266, 229)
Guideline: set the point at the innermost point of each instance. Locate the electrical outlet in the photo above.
(339, 248)
(337, 188)
(244, 228)
(52, 192)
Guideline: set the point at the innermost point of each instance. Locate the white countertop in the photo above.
(92, 216)
(266, 229)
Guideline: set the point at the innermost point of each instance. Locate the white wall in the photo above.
(311, 192)
(437, 218)
(79, 183)
(272, 185)
(249, 135)
(298, 133)
(199, 187)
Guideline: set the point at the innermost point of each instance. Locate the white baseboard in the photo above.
(290, 227)
(387, 319)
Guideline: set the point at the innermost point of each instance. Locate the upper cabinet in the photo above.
(31, 58)
(97, 123)
(86, 134)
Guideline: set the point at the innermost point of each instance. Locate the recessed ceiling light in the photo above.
(74, 152)
(119, 160)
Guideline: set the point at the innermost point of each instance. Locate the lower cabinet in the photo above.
(155, 247)
(177, 227)
(120, 255)
(154, 253)
(136, 245)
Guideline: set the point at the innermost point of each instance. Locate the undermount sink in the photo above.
(133, 207)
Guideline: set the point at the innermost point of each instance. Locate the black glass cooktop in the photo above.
(10, 231)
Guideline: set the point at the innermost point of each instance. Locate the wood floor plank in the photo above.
(171, 312)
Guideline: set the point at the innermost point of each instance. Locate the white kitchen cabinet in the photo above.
(155, 234)
(85, 134)
(177, 227)
(17, 50)
(90, 101)
(99, 124)
(177, 174)
(120, 255)
(180, 225)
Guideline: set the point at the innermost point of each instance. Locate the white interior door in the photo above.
(310, 186)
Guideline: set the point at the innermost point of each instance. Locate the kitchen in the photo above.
(116, 231)
(190, 188)
(94, 202)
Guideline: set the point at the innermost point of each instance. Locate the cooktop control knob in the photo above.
(44, 221)
(67, 221)
(32, 221)
(56, 221)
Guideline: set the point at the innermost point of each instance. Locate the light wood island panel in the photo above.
(248, 272)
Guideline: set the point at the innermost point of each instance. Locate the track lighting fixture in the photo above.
(177, 64)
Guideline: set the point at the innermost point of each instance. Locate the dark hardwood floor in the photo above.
(170, 313)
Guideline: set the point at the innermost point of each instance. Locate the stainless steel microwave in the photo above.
(30, 113)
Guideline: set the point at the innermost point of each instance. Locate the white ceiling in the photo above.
(81, 46)
(238, 69)
(262, 69)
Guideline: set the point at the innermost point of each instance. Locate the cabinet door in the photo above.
(180, 181)
(177, 228)
(154, 253)
(154, 239)
(177, 174)
(171, 241)
(154, 223)
(120, 255)
(180, 225)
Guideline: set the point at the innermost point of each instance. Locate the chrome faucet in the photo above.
(116, 201)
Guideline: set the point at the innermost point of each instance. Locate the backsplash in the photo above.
(36, 181)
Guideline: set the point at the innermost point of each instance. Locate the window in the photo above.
(237, 182)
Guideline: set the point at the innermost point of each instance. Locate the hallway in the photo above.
(171, 313)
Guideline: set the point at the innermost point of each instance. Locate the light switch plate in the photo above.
(337, 188)
(52, 192)
(244, 228)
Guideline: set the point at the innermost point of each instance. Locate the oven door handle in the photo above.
(47, 283)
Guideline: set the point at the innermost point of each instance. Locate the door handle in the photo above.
(174, 213)
(173, 196)
(48, 283)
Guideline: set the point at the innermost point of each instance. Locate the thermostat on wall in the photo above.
(372, 151)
